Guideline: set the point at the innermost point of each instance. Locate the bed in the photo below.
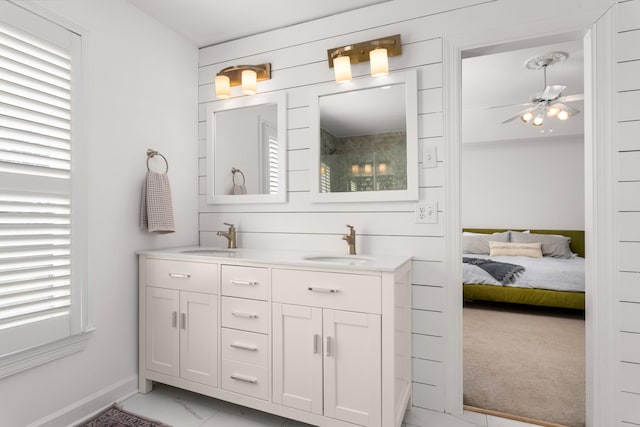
(553, 280)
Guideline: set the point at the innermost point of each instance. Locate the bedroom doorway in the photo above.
(519, 358)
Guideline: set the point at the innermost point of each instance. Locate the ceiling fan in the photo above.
(550, 102)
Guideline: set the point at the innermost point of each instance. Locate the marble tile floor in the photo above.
(181, 408)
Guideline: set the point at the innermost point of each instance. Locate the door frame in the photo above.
(599, 210)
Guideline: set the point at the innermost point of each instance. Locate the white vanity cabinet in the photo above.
(329, 345)
(180, 338)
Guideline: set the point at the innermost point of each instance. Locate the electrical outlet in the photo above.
(429, 156)
(426, 213)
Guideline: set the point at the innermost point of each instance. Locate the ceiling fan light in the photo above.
(552, 110)
(538, 121)
(563, 115)
(526, 117)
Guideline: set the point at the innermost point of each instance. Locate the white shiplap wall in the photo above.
(627, 69)
(298, 58)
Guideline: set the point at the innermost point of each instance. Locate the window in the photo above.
(41, 192)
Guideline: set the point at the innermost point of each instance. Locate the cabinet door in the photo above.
(162, 337)
(199, 338)
(352, 367)
(297, 357)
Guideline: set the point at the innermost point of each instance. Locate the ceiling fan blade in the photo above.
(572, 98)
(569, 109)
(510, 105)
(517, 115)
(552, 92)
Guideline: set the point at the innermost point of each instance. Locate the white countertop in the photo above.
(332, 260)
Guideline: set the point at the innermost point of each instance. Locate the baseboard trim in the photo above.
(90, 405)
(512, 417)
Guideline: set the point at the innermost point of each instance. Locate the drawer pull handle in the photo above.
(244, 378)
(324, 290)
(183, 321)
(244, 282)
(174, 319)
(328, 346)
(244, 346)
(179, 275)
(244, 314)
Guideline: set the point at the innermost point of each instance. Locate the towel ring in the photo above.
(152, 153)
(234, 171)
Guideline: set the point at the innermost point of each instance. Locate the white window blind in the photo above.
(36, 301)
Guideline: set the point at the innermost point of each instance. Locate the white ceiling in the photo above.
(207, 22)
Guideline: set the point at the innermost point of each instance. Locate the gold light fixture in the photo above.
(246, 76)
(376, 52)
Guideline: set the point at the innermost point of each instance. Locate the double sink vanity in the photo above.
(316, 337)
(320, 338)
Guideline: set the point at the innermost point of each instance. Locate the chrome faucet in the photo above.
(230, 236)
(351, 239)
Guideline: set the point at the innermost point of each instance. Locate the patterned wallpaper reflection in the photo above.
(363, 163)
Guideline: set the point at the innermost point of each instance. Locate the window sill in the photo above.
(27, 359)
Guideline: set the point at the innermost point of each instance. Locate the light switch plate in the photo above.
(429, 156)
(426, 213)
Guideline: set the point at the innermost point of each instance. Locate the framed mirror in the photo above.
(247, 150)
(365, 140)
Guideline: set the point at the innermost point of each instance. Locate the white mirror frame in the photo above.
(278, 98)
(409, 79)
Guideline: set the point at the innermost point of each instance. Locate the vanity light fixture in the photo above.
(246, 76)
(376, 52)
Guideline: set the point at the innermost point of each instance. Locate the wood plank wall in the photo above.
(386, 227)
(298, 59)
(627, 69)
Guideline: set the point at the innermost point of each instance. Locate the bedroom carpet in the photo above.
(525, 362)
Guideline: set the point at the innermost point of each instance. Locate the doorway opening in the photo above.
(523, 188)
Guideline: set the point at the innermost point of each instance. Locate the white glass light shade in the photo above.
(552, 110)
(223, 87)
(367, 168)
(249, 82)
(382, 168)
(355, 169)
(526, 117)
(538, 120)
(342, 69)
(563, 115)
(379, 62)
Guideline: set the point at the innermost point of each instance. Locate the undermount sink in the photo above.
(343, 260)
(211, 252)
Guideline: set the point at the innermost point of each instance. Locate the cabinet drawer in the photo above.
(182, 275)
(245, 314)
(245, 282)
(245, 378)
(246, 347)
(341, 291)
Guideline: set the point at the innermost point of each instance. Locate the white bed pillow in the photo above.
(553, 245)
(478, 243)
(531, 250)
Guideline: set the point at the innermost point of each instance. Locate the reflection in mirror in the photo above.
(366, 147)
(367, 152)
(247, 153)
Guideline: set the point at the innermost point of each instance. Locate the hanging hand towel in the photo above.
(239, 189)
(156, 210)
